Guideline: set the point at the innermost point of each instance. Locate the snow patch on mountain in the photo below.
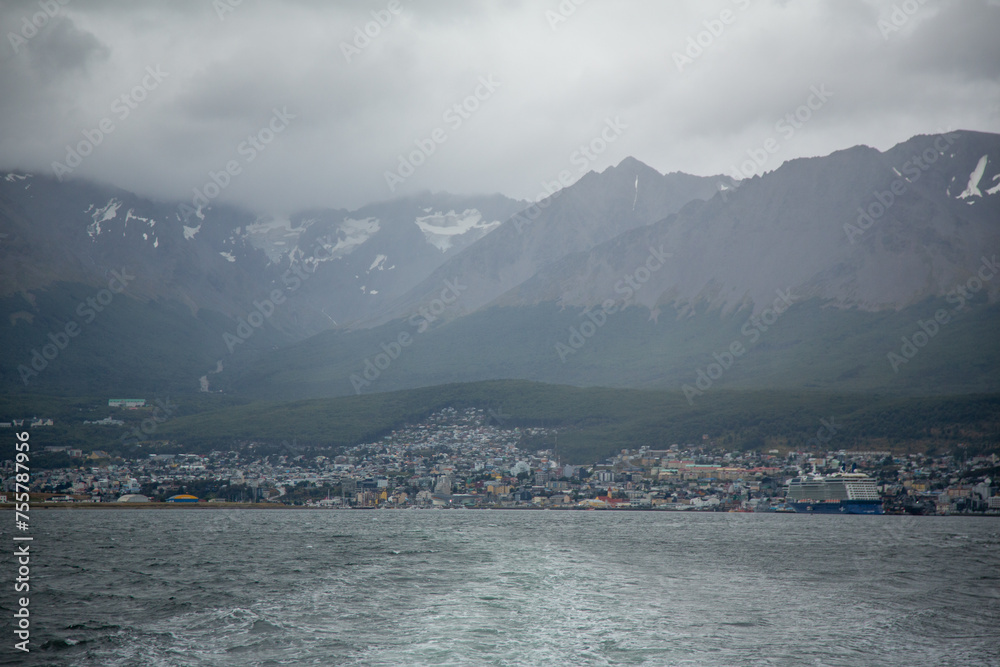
(342, 241)
(996, 188)
(379, 263)
(107, 212)
(198, 214)
(130, 215)
(972, 189)
(275, 235)
(351, 234)
(440, 228)
(203, 380)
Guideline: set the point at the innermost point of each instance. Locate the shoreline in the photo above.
(276, 506)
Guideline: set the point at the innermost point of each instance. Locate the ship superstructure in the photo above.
(839, 493)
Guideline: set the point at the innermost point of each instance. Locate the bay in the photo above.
(214, 588)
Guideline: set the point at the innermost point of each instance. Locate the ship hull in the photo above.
(842, 507)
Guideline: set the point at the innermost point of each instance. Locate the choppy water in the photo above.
(227, 588)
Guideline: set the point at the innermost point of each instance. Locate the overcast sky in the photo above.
(558, 73)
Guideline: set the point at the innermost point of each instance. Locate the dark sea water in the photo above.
(242, 588)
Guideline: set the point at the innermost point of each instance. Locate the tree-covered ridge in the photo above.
(591, 422)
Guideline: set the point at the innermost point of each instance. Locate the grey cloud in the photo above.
(60, 49)
(959, 39)
(353, 119)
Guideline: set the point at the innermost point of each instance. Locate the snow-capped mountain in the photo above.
(215, 267)
(865, 245)
(360, 261)
(595, 209)
(832, 272)
(223, 258)
(855, 229)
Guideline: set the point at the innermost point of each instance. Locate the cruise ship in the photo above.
(839, 493)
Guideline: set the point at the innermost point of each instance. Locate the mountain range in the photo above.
(857, 271)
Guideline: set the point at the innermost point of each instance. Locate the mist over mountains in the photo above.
(810, 276)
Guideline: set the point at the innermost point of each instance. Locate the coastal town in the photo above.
(474, 459)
